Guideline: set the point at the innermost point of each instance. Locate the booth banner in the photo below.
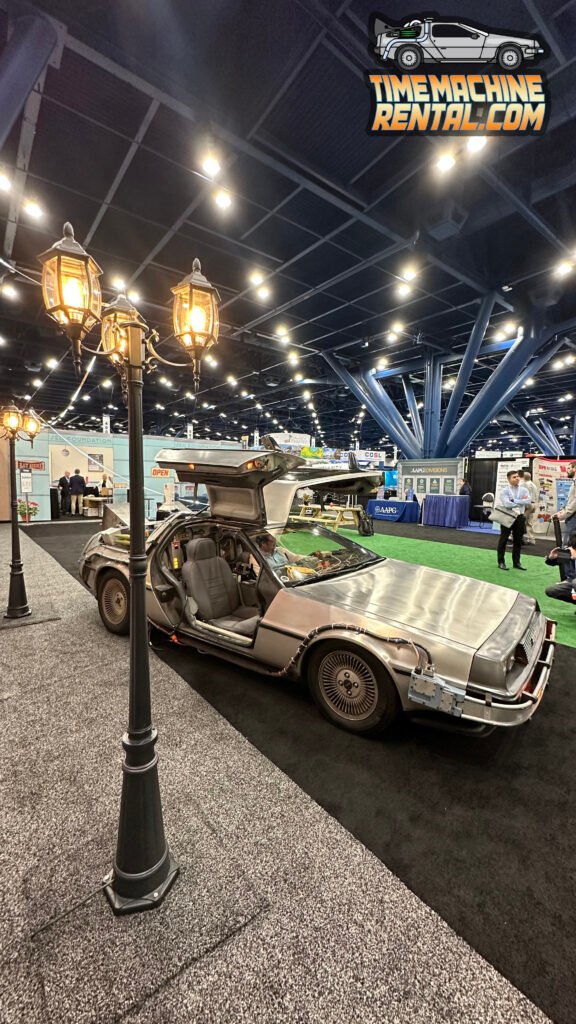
(429, 476)
(551, 478)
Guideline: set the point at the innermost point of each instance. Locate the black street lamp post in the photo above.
(14, 423)
(144, 868)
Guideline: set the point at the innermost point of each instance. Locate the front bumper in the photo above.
(491, 710)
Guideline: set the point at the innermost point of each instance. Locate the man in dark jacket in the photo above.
(64, 487)
(566, 590)
(77, 485)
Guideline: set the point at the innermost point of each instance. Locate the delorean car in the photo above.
(450, 42)
(371, 636)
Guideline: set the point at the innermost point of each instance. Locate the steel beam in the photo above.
(548, 431)
(532, 431)
(23, 60)
(133, 149)
(380, 396)
(548, 30)
(572, 450)
(432, 405)
(25, 143)
(413, 410)
(373, 408)
(492, 400)
(466, 367)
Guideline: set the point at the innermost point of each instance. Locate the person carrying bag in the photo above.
(509, 513)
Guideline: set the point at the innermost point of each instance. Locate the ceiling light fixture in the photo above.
(33, 209)
(403, 290)
(9, 291)
(223, 199)
(476, 143)
(563, 268)
(445, 162)
(211, 165)
(5, 183)
(263, 292)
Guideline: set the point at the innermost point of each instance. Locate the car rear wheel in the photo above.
(509, 57)
(352, 688)
(408, 58)
(114, 603)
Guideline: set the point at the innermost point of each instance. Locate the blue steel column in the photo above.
(490, 399)
(573, 441)
(363, 395)
(532, 431)
(389, 410)
(413, 410)
(432, 405)
(23, 60)
(547, 429)
(466, 367)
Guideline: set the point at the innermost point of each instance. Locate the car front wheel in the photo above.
(114, 603)
(352, 688)
(509, 57)
(408, 58)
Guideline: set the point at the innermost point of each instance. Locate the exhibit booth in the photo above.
(39, 468)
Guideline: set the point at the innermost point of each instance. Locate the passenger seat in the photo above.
(208, 579)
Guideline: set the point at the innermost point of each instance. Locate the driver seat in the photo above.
(209, 581)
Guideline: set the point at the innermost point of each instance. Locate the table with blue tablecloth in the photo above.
(394, 511)
(446, 510)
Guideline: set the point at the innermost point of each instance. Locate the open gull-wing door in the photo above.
(234, 479)
(279, 496)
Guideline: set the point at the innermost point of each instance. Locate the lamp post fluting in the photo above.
(14, 423)
(144, 869)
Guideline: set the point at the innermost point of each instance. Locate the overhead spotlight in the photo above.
(85, 398)
(381, 364)
(397, 326)
(298, 377)
(403, 290)
(445, 162)
(392, 336)
(223, 199)
(9, 291)
(570, 359)
(256, 278)
(510, 327)
(293, 358)
(119, 284)
(500, 335)
(409, 272)
(3, 342)
(33, 209)
(557, 364)
(306, 396)
(563, 268)
(134, 296)
(5, 183)
(282, 334)
(107, 383)
(210, 165)
(51, 364)
(263, 292)
(232, 380)
(476, 143)
(37, 383)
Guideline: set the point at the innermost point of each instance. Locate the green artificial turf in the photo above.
(480, 564)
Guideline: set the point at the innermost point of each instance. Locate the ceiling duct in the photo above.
(446, 220)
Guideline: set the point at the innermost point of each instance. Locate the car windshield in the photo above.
(302, 553)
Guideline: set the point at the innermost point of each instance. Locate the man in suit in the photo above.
(64, 488)
(566, 589)
(77, 486)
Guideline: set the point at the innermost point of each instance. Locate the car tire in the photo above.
(114, 603)
(352, 688)
(408, 58)
(509, 57)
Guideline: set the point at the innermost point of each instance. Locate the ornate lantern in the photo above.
(70, 287)
(12, 420)
(195, 316)
(117, 319)
(31, 425)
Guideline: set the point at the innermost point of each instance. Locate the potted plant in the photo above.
(27, 510)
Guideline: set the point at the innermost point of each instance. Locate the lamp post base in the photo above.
(17, 599)
(131, 905)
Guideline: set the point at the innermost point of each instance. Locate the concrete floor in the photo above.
(279, 914)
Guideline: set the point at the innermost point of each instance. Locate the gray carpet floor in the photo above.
(279, 914)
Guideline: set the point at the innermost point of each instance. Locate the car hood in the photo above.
(442, 604)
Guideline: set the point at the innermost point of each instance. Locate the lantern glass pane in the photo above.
(115, 335)
(74, 288)
(12, 420)
(31, 425)
(95, 290)
(50, 291)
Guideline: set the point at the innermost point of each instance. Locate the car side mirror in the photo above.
(474, 36)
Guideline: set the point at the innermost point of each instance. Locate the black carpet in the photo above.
(483, 830)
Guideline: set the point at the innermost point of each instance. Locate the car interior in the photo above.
(208, 579)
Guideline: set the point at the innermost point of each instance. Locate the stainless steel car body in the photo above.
(491, 647)
(451, 42)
